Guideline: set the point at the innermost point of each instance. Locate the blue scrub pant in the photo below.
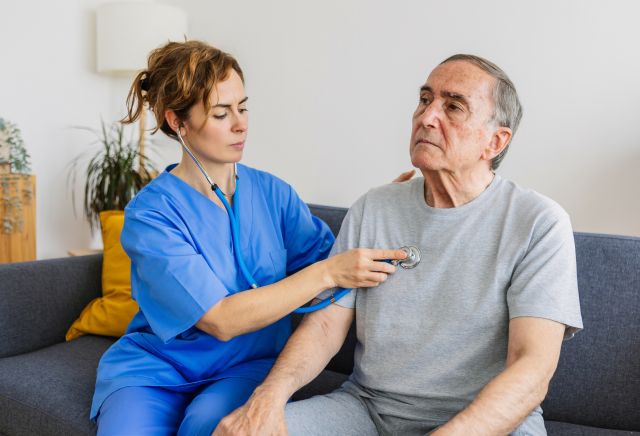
(150, 410)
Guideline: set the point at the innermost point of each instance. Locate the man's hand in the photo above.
(262, 415)
(316, 340)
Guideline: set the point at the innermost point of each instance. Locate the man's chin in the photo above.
(423, 163)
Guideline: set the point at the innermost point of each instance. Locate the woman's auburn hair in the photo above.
(179, 75)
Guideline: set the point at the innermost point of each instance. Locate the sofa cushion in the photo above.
(597, 382)
(555, 428)
(110, 314)
(49, 391)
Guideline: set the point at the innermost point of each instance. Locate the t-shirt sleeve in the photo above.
(172, 283)
(544, 283)
(348, 238)
(307, 238)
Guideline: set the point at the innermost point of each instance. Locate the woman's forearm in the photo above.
(254, 309)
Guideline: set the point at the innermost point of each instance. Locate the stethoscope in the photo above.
(409, 262)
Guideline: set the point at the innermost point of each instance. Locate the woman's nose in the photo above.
(241, 122)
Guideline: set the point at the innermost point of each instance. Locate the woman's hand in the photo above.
(262, 415)
(361, 267)
(404, 176)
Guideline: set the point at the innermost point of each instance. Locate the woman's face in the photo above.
(218, 136)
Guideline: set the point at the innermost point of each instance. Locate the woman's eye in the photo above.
(243, 110)
(220, 117)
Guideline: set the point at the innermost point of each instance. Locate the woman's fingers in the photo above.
(364, 267)
(373, 279)
(404, 176)
(384, 267)
(379, 254)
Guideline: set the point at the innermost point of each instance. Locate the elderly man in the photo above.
(467, 342)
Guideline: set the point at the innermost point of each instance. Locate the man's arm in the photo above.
(532, 358)
(316, 340)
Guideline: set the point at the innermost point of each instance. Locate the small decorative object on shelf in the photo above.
(17, 197)
(83, 251)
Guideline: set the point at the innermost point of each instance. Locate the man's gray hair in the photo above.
(508, 110)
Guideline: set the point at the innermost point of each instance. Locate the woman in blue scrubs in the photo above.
(203, 340)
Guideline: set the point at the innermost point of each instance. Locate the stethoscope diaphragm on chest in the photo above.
(411, 261)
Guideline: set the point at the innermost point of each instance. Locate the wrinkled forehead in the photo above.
(463, 78)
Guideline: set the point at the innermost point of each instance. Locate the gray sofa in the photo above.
(46, 384)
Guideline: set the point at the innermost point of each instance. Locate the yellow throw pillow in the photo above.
(110, 314)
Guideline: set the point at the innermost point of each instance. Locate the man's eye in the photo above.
(243, 110)
(425, 100)
(454, 107)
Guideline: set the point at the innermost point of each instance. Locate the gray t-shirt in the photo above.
(430, 338)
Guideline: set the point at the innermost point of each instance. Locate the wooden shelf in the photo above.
(20, 244)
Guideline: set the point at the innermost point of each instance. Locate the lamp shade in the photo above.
(127, 31)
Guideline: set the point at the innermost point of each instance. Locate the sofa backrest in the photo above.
(39, 300)
(597, 382)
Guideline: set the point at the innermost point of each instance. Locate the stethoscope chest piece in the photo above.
(413, 257)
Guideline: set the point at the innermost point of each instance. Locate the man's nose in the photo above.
(430, 116)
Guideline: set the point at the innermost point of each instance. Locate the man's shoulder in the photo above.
(529, 203)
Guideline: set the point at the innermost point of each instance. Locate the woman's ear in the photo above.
(172, 119)
(500, 139)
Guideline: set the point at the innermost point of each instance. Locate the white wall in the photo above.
(47, 85)
(332, 86)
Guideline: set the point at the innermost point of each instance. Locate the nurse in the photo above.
(203, 339)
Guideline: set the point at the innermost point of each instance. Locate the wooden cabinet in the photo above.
(17, 217)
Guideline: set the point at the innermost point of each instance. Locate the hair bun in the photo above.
(144, 84)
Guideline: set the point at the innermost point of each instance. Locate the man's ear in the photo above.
(499, 141)
(172, 119)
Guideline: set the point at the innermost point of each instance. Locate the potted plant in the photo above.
(114, 175)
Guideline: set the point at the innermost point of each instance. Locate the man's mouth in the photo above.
(426, 142)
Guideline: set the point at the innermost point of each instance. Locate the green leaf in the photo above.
(113, 175)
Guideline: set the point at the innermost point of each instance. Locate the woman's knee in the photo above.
(214, 403)
(141, 411)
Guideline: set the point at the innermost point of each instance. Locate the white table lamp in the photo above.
(127, 31)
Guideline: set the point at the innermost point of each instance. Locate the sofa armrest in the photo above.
(40, 300)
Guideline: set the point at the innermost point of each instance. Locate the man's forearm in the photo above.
(503, 403)
(316, 340)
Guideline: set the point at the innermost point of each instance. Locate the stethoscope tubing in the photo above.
(235, 237)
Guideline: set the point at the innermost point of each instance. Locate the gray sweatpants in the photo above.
(336, 413)
(343, 413)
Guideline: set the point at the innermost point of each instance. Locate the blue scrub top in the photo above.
(182, 263)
